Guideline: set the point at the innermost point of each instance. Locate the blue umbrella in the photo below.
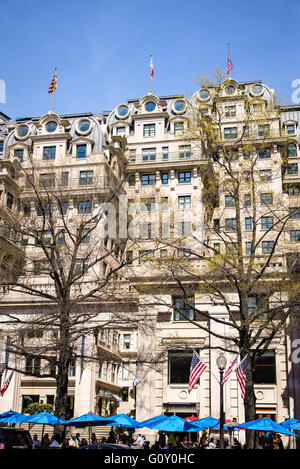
(206, 422)
(291, 424)
(88, 419)
(265, 424)
(176, 424)
(123, 420)
(12, 417)
(150, 422)
(45, 418)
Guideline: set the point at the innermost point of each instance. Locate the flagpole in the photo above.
(228, 59)
(150, 74)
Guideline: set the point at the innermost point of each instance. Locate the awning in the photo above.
(110, 395)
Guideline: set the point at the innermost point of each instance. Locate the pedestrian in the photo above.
(54, 443)
(36, 443)
(73, 443)
(93, 440)
(162, 440)
(139, 442)
(236, 444)
(279, 442)
(45, 443)
(212, 444)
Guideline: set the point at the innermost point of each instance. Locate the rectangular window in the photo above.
(47, 181)
(292, 150)
(20, 155)
(64, 208)
(49, 153)
(120, 130)
(85, 206)
(9, 201)
(290, 129)
(164, 203)
(148, 204)
(61, 238)
(230, 224)
(295, 236)
(148, 179)
(231, 249)
(184, 177)
(179, 363)
(1, 146)
(132, 156)
(248, 223)
(267, 247)
(81, 266)
(165, 178)
(146, 253)
(263, 130)
(33, 365)
(265, 153)
(184, 202)
(265, 174)
(230, 111)
(247, 200)
(125, 370)
(248, 248)
(293, 191)
(265, 368)
(184, 151)
(292, 168)
(131, 180)
(86, 178)
(149, 130)
(149, 154)
(178, 128)
(266, 199)
(216, 224)
(230, 132)
(127, 341)
(294, 213)
(165, 153)
(258, 304)
(81, 151)
(266, 223)
(229, 201)
(65, 179)
(183, 309)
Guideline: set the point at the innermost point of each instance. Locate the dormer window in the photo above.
(81, 151)
(84, 126)
(121, 130)
(51, 126)
(290, 129)
(22, 131)
(230, 89)
(20, 155)
(178, 128)
(149, 130)
(1, 146)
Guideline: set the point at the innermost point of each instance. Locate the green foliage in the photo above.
(37, 407)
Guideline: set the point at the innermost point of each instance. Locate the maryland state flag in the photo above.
(53, 83)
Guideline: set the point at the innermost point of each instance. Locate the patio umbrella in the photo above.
(88, 420)
(192, 418)
(12, 417)
(265, 424)
(123, 420)
(176, 424)
(150, 422)
(206, 422)
(292, 424)
(44, 418)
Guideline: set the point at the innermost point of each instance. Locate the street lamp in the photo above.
(221, 363)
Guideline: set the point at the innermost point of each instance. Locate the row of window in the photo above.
(266, 199)
(149, 154)
(48, 180)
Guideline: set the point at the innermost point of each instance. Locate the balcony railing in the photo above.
(184, 156)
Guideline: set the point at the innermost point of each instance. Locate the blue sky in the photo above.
(102, 49)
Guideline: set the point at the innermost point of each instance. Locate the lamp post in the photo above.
(221, 363)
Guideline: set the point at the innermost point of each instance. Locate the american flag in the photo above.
(53, 84)
(241, 375)
(226, 376)
(151, 68)
(230, 66)
(6, 384)
(196, 370)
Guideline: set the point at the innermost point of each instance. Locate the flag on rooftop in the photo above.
(53, 84)
(151, 68)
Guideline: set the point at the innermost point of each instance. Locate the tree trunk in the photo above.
(250, 404)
